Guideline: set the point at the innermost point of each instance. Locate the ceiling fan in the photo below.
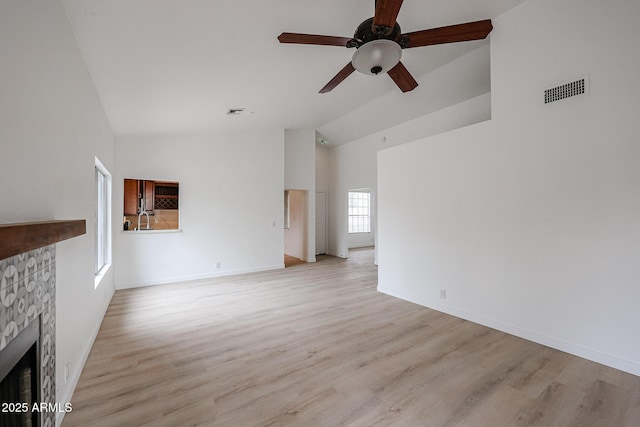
(379, 43)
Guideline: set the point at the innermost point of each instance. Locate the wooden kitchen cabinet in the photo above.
(131, 193)
(149, 191)
(134, 190)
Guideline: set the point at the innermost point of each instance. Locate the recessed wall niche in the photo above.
(151, 205)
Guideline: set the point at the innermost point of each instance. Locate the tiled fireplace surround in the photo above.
(27, 294)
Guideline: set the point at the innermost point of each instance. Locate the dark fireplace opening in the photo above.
(20, 373)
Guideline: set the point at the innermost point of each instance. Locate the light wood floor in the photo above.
(290, 261)
(316, 345)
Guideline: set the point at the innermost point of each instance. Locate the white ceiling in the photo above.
(176, 66)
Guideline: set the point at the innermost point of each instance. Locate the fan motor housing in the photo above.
(366, 33)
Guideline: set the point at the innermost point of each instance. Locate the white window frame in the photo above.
(287, 210)
(102, 221)
(359, 217)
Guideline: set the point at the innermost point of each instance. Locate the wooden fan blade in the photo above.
(451, 34)
(403, 78)
(343, 74)
(386, 15)
(313, 39)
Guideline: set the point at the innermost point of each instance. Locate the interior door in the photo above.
(321, 223)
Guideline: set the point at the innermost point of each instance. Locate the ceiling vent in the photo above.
(235, 111)
(567, 90)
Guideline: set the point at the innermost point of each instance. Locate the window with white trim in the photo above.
(359, 211)
(287, 210)
(102, 219)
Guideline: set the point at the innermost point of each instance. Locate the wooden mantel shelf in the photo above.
(18, 238)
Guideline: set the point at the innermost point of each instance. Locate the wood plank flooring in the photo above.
(290, 261)
(316, 345)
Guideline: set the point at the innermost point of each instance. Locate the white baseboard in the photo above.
(210, 275)
(336, 254)
(549, 341)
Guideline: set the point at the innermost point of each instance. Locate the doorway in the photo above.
(295, 226)
(360, 219)
(321, 223)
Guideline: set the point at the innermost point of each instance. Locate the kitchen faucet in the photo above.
(143, 212)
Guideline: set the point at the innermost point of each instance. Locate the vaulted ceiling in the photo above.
(177, 66)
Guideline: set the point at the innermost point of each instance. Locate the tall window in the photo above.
(359, 212)
(102, 220)
(287, 210)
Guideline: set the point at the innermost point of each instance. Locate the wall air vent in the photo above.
(235, 111)
(567, 90)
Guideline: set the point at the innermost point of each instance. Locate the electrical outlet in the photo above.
(443, 294)
(217, 264)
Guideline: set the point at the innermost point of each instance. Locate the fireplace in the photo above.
(27, 338)
(28, 319)
(20, 379)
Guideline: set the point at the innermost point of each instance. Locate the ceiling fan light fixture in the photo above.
(377, 56)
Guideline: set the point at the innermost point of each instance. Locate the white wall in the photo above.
(530, 221)
(231, 206)
(353, 165)
(465, 77)
(51, 127)
(300, 174)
